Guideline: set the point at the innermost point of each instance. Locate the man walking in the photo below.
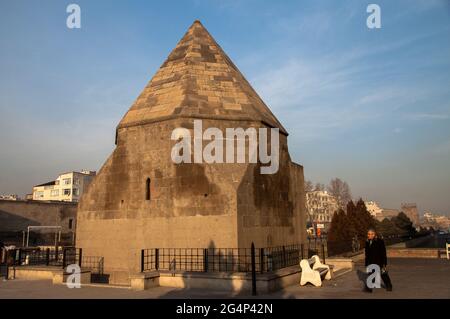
(375, 253)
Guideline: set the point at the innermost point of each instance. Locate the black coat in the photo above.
(376, 252)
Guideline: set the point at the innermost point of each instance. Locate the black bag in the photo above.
(386, 279)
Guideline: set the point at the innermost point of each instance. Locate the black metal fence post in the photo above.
(205, 259)
(253, 270)
(157, 258)
(142, 260)
(64, 258)
(323, 253)
(261, 260)
(80, 257)
(284, 256)
(47, 257)
(7, 270)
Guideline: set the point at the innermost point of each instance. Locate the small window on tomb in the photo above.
(70, 223)
(147, 189)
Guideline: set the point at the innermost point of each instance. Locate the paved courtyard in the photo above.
(412, 278)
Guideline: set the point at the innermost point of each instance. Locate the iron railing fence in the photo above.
(226, 259)
(96, 266)
(93, 263)
(55, 256)
(275, 258)
(342, 247)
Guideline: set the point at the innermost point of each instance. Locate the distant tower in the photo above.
(142, 199)
(410, 210)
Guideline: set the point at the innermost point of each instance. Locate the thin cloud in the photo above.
(427, 116)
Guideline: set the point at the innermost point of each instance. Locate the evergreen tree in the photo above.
(334, 225)
(338, 228)
(387, 228)
(352, 219)
(339, 237)
(404, 224)
(346, 225)
(364, 219)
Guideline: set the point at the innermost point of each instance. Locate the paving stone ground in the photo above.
(412, 278)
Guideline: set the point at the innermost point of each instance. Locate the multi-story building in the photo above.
(443, 222)
(320, 207)
(374, 209)
(67, 187)
(436, 221)
(9, 197)
(427, 215)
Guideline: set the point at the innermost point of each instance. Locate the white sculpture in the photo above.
(314, 275)
(318, 265)
(309, 275)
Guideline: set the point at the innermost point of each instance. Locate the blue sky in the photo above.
(369, 106)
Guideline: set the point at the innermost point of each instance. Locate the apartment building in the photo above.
(321, 207)
(373, 208)
(67, 187)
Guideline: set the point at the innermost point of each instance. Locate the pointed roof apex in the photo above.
(196, 23)
(198, 80)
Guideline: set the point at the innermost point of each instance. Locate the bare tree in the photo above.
(340, 189)
(319, 187)
(309, 186)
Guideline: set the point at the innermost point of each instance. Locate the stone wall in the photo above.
(16, 216)
(225, 205)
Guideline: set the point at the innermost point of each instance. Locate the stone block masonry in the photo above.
(140, 198)
(16, 216)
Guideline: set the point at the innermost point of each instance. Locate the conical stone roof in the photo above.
(198, 80)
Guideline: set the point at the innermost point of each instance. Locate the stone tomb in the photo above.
(141, 199)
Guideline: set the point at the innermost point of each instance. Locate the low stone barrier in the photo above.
(231, 282)
(56, 274)
(144, 280)
(340, 263)
(393, 252)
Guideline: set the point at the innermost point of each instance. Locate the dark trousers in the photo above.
(386, 280)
